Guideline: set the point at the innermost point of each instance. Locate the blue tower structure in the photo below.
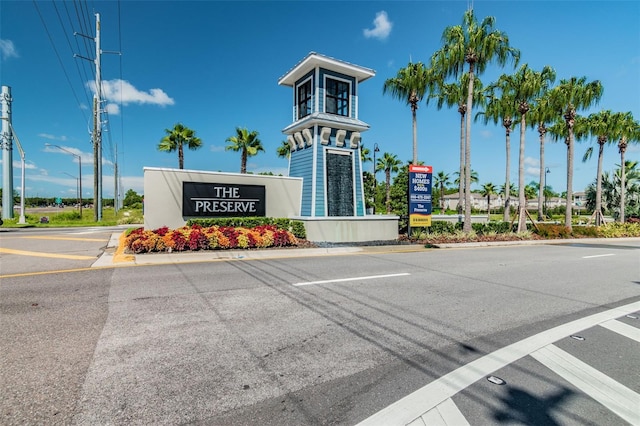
(325, 135)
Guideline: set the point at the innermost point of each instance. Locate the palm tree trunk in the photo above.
(623, 147)
(569, 196)
(414, 107)
(541, 184)
(180, 156)
(243, 161)
(388, 189)
(460, 176)
(598, 212)
(522, 201)
(507, 185)
(467, 156)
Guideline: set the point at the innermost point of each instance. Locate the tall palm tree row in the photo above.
(541, 115)
(474, 45)
(176, 138)
(501, 109)
(389, 163)
(602, 126)
(567, 98)
(628, 131)
(523, 89)
(247, 143)
(455, 94)
(411, 85)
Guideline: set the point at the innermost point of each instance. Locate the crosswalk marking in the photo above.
(615, 396)
(419, 402)
(445, 414)
(623, 329)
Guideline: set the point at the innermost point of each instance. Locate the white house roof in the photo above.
(313, 60)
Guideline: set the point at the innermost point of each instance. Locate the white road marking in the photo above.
(424, 399)
(342, 280)
(623, 329)
(445, 414)
(598, 255)
(615, 396)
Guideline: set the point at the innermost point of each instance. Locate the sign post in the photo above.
(420, 196)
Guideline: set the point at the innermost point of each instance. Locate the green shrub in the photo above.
(617, 230)
(65, 217)
(442, 227)
(551, 231)
(585, 231)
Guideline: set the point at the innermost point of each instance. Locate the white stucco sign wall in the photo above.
(173, 196)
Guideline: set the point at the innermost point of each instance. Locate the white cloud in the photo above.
(7, 49)
(28, 165)
(122, 91)
(486, 134)
(381, 27)
(112, 109)
(87, 157)
(530, 161)
(217, 148)
(52, 137)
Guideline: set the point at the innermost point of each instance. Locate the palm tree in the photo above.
(502, 109)
(247, 143)
(566, 98)
(523, 88)
(176, 138)
(601, 125)
(476, 45)
(628, 131)
(365, 154)
(540, 115)
(441, 180)
(488, 189)
(390, 164)
(474, 178)
(455, 94)
(411, 84)
(284, 150)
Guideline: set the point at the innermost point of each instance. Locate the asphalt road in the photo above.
(331, 339)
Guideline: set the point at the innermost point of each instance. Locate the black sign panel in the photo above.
(222, 200)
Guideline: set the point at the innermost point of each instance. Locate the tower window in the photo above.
(337, 97)
(304, 99)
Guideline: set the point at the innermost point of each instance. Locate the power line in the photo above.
(44, 24)
(64, 31)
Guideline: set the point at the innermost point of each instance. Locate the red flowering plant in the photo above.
(196, 237)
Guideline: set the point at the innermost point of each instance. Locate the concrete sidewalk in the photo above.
(114, 254)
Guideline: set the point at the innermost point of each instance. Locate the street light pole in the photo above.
(544, 190)
(375, 180)
(79, 171)
(77, 186)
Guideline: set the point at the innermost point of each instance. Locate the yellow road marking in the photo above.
(41, 254)
(119, 255)
(64, 238)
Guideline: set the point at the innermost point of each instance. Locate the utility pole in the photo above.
(97, 125)
(115, 179)
(7, 154)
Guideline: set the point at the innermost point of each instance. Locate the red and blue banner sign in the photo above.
(420, 196)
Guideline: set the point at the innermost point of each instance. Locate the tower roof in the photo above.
(313, 60)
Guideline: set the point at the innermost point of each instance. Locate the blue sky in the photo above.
(214, 65)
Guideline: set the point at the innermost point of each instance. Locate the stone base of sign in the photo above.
(344, 229)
